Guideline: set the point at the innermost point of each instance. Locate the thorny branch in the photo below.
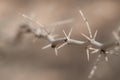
(91, 45)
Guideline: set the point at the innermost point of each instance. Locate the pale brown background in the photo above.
(24, 59)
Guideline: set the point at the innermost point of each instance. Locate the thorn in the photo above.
(106, 56)
(88, 54)
(92, 48)
(65, 34)
(89, 29)
(62, 45)
(86, 36)
(116, 36)
(29, 18)
(87, 24)
(56, 51)
(106, 59)
(82, 15)
(37, 22)
(92, 72)
(95, 51)
(58, 23)
(94, 37)
(25, 16)
(70, 32)
(94, 67)
(47, 46)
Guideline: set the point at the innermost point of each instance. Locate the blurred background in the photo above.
(22, 59)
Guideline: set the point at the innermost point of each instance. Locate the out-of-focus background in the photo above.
(23, 59)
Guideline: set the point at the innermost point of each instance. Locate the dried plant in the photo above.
(91, 45)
